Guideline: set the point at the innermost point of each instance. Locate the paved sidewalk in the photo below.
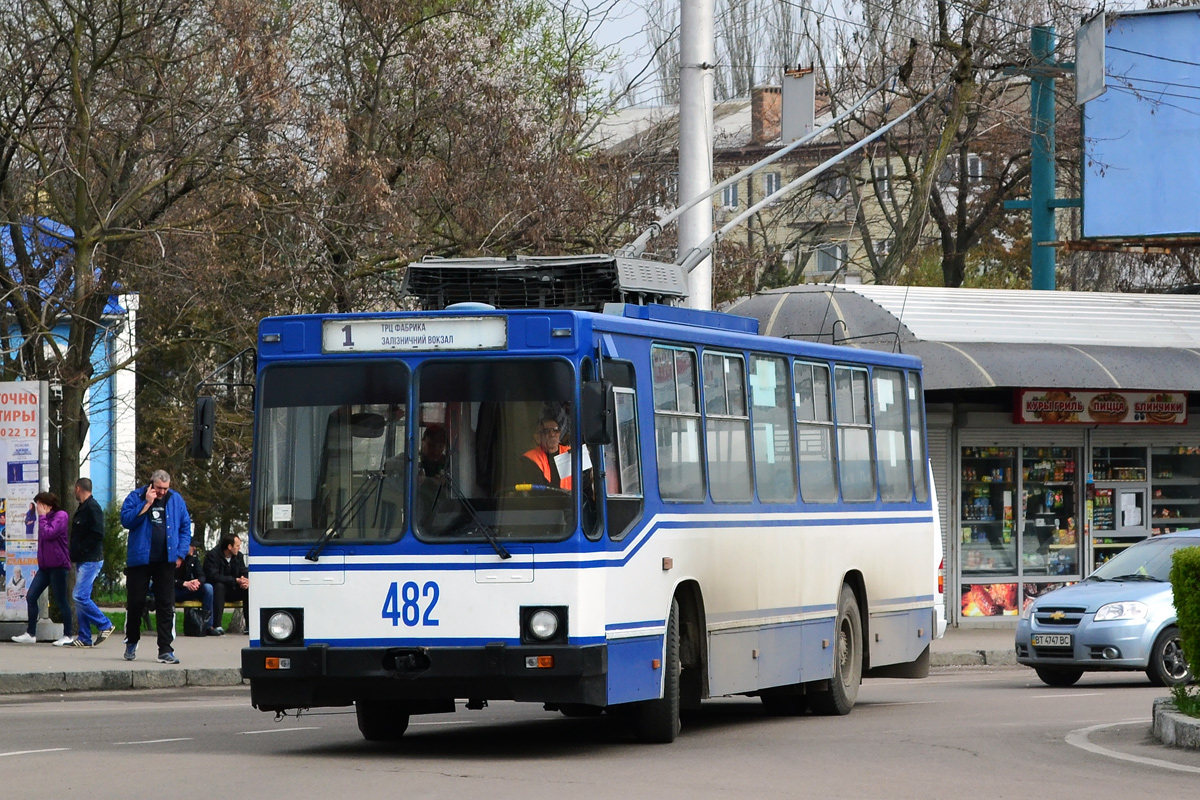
(204, 661)
(216, 660)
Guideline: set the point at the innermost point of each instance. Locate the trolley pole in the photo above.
(696, 60)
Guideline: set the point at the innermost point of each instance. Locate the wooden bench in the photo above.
(237, 623)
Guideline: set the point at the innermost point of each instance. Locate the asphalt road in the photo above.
(971, 732)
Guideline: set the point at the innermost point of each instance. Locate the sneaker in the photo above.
(63, 641)
(167, 658)
(130, 652)
(78, 643)
(104, 634)
(211, 631)
(24, 638)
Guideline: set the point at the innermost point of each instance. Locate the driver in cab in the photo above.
(543, 464)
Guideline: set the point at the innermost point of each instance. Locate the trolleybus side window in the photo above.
(814, 434)
(676, 423)
(891, 435)
(916, 434)
(332, 452)
(853, 416)
(623, 458)
(770, 408)
(727, 428)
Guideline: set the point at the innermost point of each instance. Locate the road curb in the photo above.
(110, 680)
(1175, 729)
(974, 658)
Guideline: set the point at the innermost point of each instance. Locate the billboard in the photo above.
(1141, 165)
(21, 461)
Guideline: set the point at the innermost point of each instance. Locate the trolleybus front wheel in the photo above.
(657, 721)
(839, 698)
(381, 721)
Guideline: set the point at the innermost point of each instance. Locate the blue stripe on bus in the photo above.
(617, 560)
(460, 641)
(637, 540)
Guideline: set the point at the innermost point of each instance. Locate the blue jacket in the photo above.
(179, 527)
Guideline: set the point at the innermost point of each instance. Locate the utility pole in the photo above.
(696, 61)
(1042, 174)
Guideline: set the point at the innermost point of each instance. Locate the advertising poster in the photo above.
(1033, 591)
(989, 600)
(20, 458)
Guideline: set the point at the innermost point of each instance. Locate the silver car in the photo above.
(1121, 617)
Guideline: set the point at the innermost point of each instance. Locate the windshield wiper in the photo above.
(1137, 576)
(484, 528)
(346, 513)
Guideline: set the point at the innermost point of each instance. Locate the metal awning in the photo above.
(983, 339)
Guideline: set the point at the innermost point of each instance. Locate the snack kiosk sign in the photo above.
(1066, 407)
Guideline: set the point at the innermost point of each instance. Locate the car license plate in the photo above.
(1052, 640)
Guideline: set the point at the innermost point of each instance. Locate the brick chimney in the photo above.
(765, 103)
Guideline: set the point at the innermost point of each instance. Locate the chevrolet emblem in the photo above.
(1057, 615)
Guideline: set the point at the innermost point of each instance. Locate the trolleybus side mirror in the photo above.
(596, 409)
(201, 447)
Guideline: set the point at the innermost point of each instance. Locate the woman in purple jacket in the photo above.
(54, 563)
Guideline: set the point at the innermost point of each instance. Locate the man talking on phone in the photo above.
(160, 531)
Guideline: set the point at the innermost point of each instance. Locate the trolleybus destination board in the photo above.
(414, 333)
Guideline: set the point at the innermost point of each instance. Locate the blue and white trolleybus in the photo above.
(570, 496)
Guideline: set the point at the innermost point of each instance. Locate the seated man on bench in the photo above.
(190, 584)
(226, 571)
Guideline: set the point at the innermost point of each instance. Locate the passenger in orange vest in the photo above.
(538, 465)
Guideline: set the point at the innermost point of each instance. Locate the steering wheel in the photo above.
(526, 489)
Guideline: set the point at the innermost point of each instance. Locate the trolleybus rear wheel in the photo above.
(657, 721)
(381, 721)
(839, 698)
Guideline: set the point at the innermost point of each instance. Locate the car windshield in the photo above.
(1147, 560)
(332, 452)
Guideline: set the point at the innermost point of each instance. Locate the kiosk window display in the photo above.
(1014, 551)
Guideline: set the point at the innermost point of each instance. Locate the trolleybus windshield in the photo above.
(498, 450)
(333, 452)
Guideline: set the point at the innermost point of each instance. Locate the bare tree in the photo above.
(662, 29)
(116, 115)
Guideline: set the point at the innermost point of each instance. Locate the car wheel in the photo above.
(839, 698)
(1058, 676)
(1168, 667)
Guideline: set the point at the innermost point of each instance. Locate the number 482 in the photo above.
(403, 603)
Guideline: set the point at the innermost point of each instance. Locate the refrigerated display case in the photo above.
(1050, 541)
(1175, 489)
(988, 487)
(1120, 516)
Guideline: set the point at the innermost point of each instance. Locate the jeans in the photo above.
(137, 586)
(205, 595)
(86, 610)
(56, 579)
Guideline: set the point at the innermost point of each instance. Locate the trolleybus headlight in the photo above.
(281, 625)
(543, 624)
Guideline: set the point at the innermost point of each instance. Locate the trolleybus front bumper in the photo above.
(319, 675)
